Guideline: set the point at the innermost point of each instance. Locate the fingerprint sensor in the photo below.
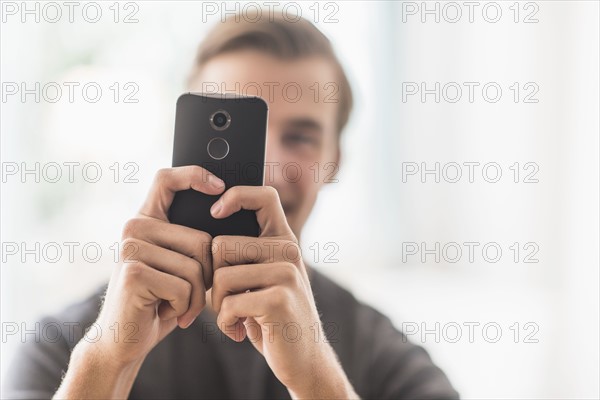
(218, 148)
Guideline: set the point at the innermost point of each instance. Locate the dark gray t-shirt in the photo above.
(201, 362)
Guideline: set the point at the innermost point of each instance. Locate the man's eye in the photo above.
(298, 138)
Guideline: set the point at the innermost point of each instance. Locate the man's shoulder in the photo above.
(37, 368)
(349, 324)
(325, 287)
(77, 317)
(379, 359)
(335, 301)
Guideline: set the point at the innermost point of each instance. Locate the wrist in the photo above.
(95, 356)
(93, 373)
(327, 380)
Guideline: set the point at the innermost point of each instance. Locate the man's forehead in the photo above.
(248, 66)
(303, 88)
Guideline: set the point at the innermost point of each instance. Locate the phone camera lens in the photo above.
(220, 120)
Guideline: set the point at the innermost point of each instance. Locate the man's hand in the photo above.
(261, 291)
(162, 280)
(160, 283)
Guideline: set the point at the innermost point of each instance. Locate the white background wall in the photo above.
(371, 212)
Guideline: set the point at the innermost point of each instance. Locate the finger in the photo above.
(253, 331)
(257, 304)
(181, 239)
(229, 320)
(236, 250)
(241, 278)
(262, 199)
(236, 331)
(178, 265)
(167, 181)
(150, 285)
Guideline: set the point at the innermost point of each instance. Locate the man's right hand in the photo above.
(160, 283)
(163, 274)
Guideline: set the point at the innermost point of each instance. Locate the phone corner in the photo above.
(181, 97)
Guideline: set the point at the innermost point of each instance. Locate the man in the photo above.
(287, 330)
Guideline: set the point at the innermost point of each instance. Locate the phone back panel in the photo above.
(243, 164)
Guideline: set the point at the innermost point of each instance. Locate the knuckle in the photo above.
(289, 273)
(225, 304)
(272, 192)
(291, 252)
(186, 290)
(198, 174)
(194, 170)
(132, 273)
(201, 240)
(221, 318)
(205, 273)
(203, 237)
(129, 242)
(232, 195)
(132, 228)
(201, 244)
(218, 278)
(130, 250)
(196, 275)
(197, 270)
(162, 175)
(218, 242)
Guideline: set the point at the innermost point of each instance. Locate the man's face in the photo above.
(302, 137)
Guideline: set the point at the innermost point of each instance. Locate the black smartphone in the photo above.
(226, 135)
